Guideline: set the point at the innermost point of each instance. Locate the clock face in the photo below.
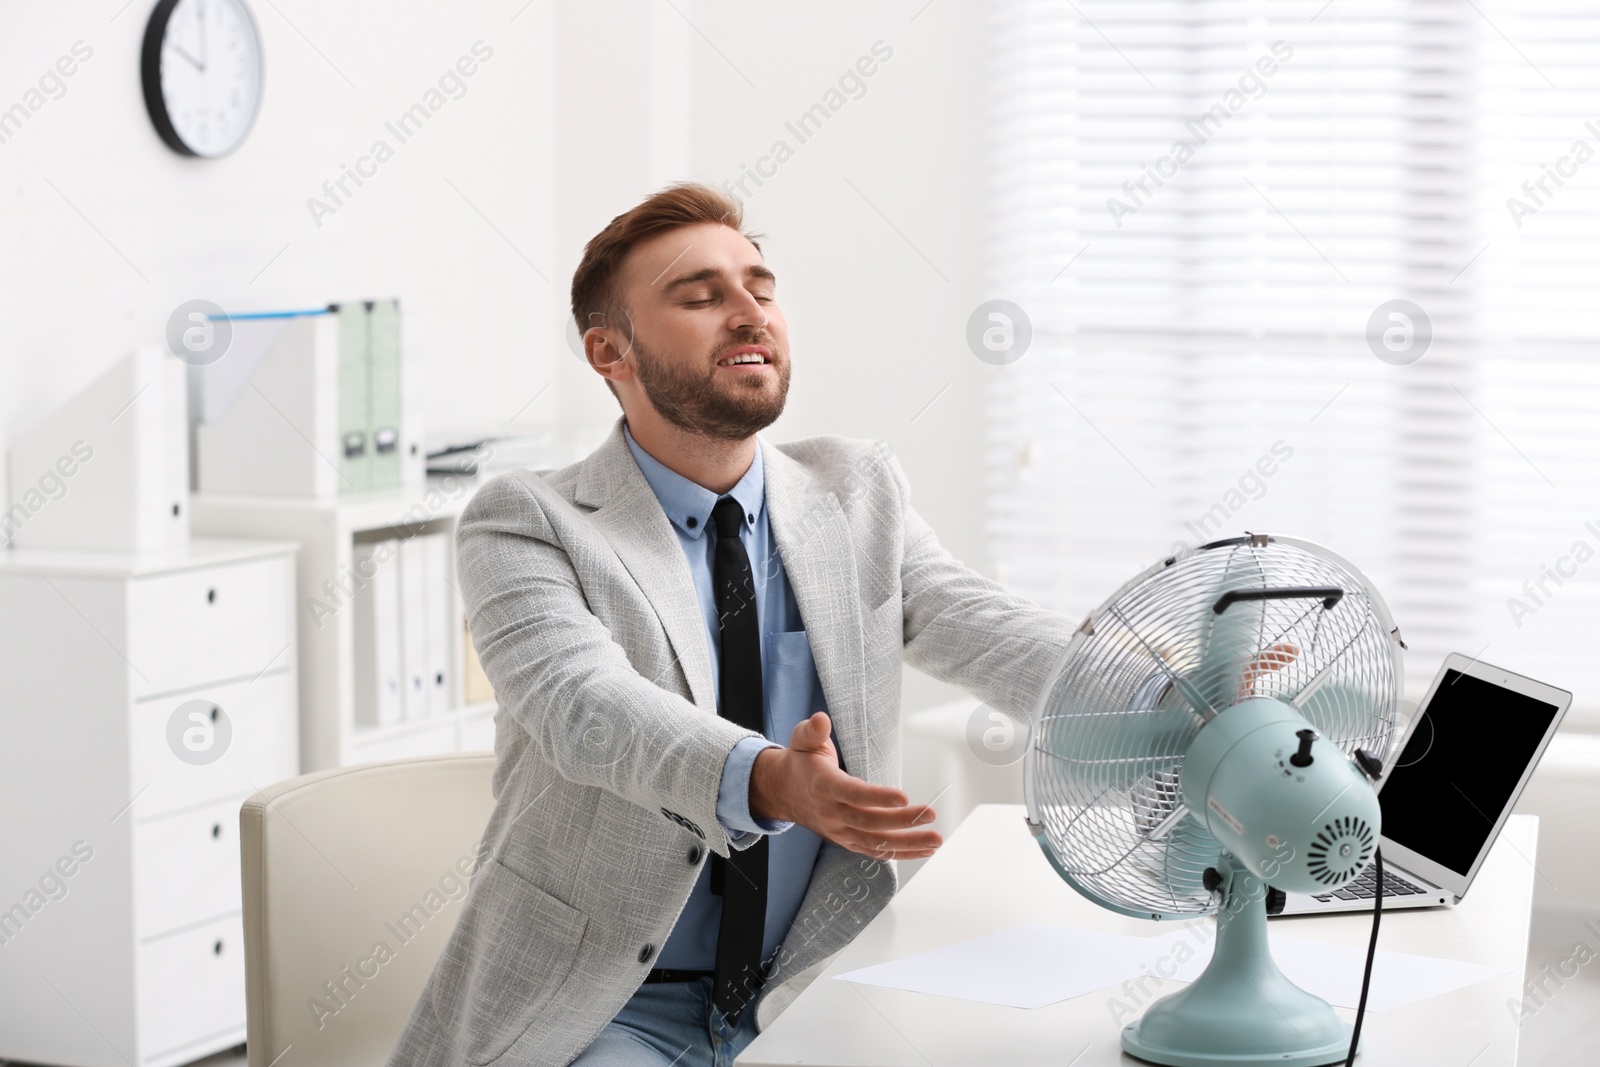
(202, 74)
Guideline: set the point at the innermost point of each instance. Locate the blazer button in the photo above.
(694, 854)
(646, 952)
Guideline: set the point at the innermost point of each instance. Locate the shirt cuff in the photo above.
(733, 795)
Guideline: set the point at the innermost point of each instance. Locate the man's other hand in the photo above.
(804, 784)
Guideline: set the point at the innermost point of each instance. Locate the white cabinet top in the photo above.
(199, 552)
(439, 497)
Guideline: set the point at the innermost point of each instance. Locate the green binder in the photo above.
(355, 442)
(384, 411)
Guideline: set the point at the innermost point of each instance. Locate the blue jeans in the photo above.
(670, 1024)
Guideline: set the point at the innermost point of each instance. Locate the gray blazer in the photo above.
(609, 749)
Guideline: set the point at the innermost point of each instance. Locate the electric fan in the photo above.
(1206, 744)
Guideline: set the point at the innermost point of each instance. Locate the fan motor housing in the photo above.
(1302, 828)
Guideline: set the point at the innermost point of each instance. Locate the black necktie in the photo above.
(743, 876)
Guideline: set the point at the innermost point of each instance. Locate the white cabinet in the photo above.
(337, 536)
(142, 699)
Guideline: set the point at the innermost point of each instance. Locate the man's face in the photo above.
(699, 298)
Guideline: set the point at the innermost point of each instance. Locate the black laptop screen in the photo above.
(1460, 767)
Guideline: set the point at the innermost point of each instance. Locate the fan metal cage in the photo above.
(1154, 663)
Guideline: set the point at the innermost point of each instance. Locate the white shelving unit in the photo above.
(147, 695)
(327, 530)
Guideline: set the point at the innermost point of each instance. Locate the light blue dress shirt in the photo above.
(790, 690)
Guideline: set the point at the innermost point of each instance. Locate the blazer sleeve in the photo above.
(559, 673)
(969, 630)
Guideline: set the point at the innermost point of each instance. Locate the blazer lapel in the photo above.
(631, 519)
(810, 529)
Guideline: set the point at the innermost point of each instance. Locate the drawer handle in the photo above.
(216, 830)
(211, 596)
(216, 949)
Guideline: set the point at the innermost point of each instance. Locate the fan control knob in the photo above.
(1211, 878)
(1302, 758)
(1275, 900)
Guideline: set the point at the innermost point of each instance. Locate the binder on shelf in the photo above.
(107, 471)
(308, 403)
(441, 676)
(414, 627)
(378, 677)
(383, 408)
(355, 445)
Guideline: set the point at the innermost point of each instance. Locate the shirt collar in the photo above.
(689, 505)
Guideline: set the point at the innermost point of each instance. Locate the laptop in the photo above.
(1468, 754)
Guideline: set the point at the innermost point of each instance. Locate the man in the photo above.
(657, 620)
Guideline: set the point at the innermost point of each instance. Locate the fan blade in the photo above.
(1348, 714)
(1176, 865)
(1234, 637)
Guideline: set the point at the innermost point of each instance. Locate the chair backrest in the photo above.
(353, 880)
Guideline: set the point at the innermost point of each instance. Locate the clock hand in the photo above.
(205, 37)
(201, 67)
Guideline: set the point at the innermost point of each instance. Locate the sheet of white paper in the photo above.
(1330, 971)
(1031, 966)
(1024, 967)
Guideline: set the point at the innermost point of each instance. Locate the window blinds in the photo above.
(1208, 210)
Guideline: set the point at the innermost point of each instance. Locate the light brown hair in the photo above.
(595, 299)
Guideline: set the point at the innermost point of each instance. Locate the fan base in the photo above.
(1331, 1054)
(1241, 1009)
(1266, 1021)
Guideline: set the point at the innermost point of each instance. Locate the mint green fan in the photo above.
(1207, 742)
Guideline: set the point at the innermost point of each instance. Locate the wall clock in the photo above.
(201, 68)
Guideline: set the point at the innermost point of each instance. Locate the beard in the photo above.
(695, 401)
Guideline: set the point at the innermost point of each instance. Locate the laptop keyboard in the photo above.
(1365, 887)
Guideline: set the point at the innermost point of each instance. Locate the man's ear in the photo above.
(603, 355)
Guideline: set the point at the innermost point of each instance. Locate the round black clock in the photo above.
(201, 68)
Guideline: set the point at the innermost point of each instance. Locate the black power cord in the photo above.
(1372, 950)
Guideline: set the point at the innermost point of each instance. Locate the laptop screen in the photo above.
(1460, 767)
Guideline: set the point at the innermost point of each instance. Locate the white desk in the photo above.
(990, 875)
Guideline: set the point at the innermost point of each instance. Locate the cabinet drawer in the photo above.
(192, 627)
(186, 868)
(191, 987)
(261, 745)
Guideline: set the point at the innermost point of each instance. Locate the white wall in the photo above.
(877, 330)
(118, 230)
(477, 222)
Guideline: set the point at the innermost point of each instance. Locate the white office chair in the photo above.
(353, 879)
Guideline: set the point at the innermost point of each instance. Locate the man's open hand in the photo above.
(1265, 662)
(804, 784)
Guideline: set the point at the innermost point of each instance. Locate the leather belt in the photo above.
(670, 974)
